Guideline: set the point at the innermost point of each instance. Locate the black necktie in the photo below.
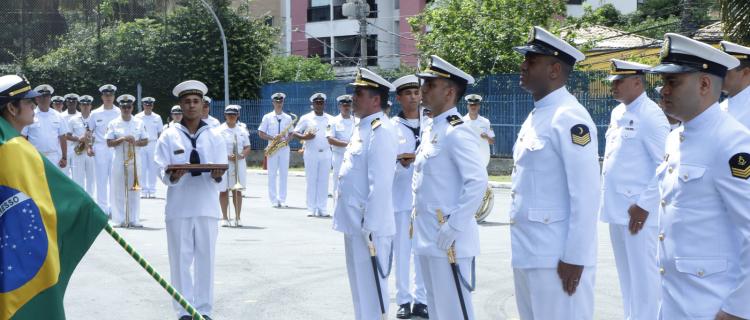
(195, 158)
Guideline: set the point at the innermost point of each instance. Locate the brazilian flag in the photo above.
(47, 223)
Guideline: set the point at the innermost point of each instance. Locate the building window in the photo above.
(575, 1)
(348, 51)
(319, 3)
(269, 21)
(322, 13)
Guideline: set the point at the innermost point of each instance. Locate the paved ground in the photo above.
(284, 265)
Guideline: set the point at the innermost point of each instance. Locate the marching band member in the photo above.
(311, 128)
(47, 132)
(124, 135)
(338, 133)
(207, 117)
(238, 148)
(365, 197)
(98, 122)
(175, 116)
(58, 103)
(71, 106)
(192, 209)
(272, 125)
(450, 180)
(407, 125)
(82, 165)
(146, 164)
(478, 122)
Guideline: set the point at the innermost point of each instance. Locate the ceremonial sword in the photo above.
(374, 260)
(454, 268)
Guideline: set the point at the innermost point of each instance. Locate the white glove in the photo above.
(366, 235)
(446, 236)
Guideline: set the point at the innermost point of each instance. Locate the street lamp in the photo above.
(226, 55)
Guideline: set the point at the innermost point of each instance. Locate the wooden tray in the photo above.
(406, 156)
(202, 167)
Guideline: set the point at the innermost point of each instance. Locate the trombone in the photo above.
(131, 156)
(237, 185)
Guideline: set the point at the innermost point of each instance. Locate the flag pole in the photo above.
(162, 282)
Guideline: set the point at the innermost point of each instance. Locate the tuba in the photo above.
(278, 142)
(486, 207)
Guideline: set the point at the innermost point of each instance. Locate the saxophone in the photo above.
(278, 142)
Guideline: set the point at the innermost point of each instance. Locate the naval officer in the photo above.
(737, 84)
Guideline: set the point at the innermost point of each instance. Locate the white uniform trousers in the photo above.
(317, 168)
(442, 296)
(402, 254)
(278, 168)
(362, 278)
(82, 168)
(118, 190)
(336, 159)
(192, 244)
(103, 161)
(638, 270)
(540, 295)
(147, 169)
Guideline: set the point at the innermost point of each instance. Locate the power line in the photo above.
(390, 32)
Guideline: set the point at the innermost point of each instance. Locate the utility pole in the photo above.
(688, 25)
(359, 9)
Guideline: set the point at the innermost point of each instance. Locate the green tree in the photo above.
(296, 68)
(477, 36)
(736, 17)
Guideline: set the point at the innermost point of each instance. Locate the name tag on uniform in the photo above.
(181, 151)
(99, 120)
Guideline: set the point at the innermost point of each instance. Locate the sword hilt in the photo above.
(452, 249)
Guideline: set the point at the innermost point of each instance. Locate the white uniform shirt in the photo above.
(191, 196)
(705, 218)
(45, 131)
(635, 144)
(152, 123)
(229, 134)
(273, 124)
(449, 176)
(119, 128)
(69, 124)
(318, 125)
(481, 124)
(98, 121)
(212, 122)
(555, 185)
(739, 106)
(78, 125)
(366, 179)
(340, 129)
(403, 195)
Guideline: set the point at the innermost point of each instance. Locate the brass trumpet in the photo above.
(82, 144)
(130, 157)
(237, 186)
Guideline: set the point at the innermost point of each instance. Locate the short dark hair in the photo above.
(460, 88)
(565, 68)
(378, 92)
(744, 63)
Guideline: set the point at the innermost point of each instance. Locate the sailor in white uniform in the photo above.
(125, 134)
(338, 133)
(192, 209)
(207, 117)
(480, 124)
(737, 84)
(365, 198)
(271, 126)
(47, 132)
(555, 189)
(147, 170)
(98, 122)
(82, 165)
(58, 104)
(635, 142)
(449, 182)
(175, 116)
(704, 212)
(311, 128)
(71, 110)
(237, 144)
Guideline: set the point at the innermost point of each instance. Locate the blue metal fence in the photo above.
(505, 104)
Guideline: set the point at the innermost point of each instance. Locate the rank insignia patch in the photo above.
(580, 134)
(740, 165)
(375, 123)
(454, 120)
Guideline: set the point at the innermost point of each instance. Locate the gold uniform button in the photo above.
(701, 272)
(663, 203)
(670, 169)
(684, 177)
(661, 236)
(546, 220)
(661, 270)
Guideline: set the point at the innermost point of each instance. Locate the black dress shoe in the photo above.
(186, 318)
(205, 317)
(404, 311)
(420, 310)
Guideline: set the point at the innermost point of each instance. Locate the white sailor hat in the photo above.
(344, 99)
(44, 89)
(107, 88)
(545, 43)
(13, 88)
(736, 50)
(318, 96)
(621, 69)
(87, 99)
(207, 99)
(367, 78)
(406, 82)
(473, 98)
(57, 99)
(680, 54)
(125, 99)
(190, 87)
(278, 96)
(176, 109)
(149, 100)
(71, 96)
(232, 109)
(440, 68)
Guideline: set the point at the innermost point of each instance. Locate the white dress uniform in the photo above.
(147, 170)
(340, 129)
(317, 158)
(70, 144)
(278, 164)
(45, 132)
(116, 129)
(229, 136)
(81, 165)
(403, 200)
(704, 226)
(98, 122)
(481, 125)
(635, 144)
(212, 122)
(739, 105)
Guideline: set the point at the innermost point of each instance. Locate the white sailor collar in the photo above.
(552, 99)
(202, 126)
